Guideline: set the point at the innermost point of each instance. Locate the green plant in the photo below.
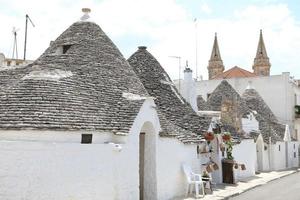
(205, 174)
(297, 109)
(229, 145)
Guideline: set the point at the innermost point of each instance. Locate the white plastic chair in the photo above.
(193, 179)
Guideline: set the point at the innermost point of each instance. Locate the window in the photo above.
(86, 138)
(208, 95)
(294, 146)
(66, 48)
(278, 147)
(294, 154)
(62, 49)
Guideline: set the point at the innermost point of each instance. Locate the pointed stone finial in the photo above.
(86, 15)
(187, 69)
(261, 64)
(250, 86)
(215, 64)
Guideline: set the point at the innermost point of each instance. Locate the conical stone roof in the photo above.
(268, 123)
(76, 84)
(201, 103)
(170, 103)
(255, 102)
(225, 91)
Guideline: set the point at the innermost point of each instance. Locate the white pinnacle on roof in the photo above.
(287, 134)
(86, 15)
(249, 86)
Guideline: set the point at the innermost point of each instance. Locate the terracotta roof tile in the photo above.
(235, 72)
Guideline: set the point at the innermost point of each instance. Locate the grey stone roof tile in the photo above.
(178, 115)
(80, 89)
(268, 123)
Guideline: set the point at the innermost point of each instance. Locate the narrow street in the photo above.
(287, 188)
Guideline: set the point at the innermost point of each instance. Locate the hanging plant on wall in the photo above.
(209, 136)
(227, 140)
(226, 136)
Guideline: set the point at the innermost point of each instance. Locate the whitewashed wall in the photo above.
(260, 165)
(171, 155)
(278, 158)
(292, 158)
(245, 153)
(250, 124)
(282, 105)
(54, 165)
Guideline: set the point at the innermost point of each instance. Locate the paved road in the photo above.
(286, 188)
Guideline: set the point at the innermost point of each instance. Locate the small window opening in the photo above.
(294, 154)
(66, 48)
(278, 147)
(86, 138)
(294, 146)
(208, 95)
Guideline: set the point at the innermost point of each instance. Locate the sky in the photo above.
(168, 28)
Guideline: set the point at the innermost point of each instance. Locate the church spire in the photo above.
(261, 64)
(215, 64)
(215, 54)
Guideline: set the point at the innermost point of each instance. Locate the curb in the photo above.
(259, 185)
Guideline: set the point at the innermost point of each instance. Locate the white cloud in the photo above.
(169, 28)
(205, 8)
(238, 38)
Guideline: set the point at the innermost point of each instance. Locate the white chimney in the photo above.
(189, 89)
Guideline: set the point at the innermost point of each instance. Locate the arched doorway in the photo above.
(259, 154)
(147, 162)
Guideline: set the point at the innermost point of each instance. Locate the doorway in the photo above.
(147, 162)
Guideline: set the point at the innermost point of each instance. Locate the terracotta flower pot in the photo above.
(209, 136)
(226, 137)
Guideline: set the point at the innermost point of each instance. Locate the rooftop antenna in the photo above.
(15, 47)
(25, 42)
(196, 46)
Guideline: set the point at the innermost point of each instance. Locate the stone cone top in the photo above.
(76, 84)
(168, 100)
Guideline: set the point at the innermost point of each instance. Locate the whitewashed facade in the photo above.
(283, 86)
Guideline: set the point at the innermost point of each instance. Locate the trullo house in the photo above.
(78, 123)
(276, 149)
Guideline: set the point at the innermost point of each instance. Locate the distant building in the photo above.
(11, 62)
(261, 65)
(280, 92)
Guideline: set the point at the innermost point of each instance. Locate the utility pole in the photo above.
(25, 42)
(179, 72)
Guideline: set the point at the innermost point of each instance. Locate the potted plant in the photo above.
(209, 136)
(228, 163)
(226, 136)
(205, 175)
